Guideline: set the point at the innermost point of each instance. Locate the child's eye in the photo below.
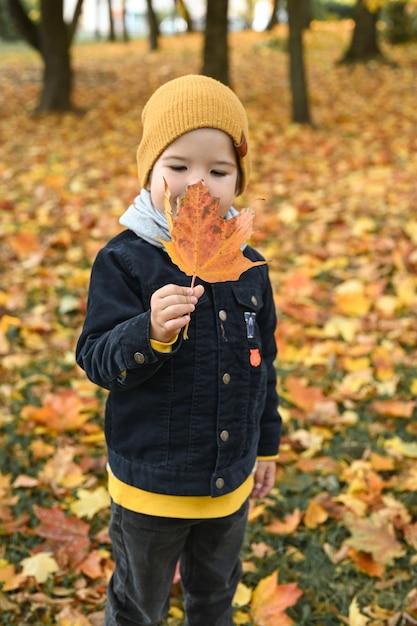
(218, 173)
(178, 168)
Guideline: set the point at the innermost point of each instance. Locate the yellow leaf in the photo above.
(351, 298)
(90, 502)
(40, 566)
(402, 448)
(242, 596)
(315, 515)
(406, 289)
(355, 616)
(240, 618)
(176, 612)
(346, 327)
(387, 304)
(356, 365)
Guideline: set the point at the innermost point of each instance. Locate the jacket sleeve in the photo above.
(271, 422)
(114, 347)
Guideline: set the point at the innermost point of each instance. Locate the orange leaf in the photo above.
(269, 601)
(315, 515)
(302, 395)
(394, 408)
(92, 565)
(290, 523)
(67, 534)
(203, 243)
(365, 563)
(62, 411)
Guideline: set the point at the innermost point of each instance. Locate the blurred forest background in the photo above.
(330, 90)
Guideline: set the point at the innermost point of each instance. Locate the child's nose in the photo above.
(196, 179)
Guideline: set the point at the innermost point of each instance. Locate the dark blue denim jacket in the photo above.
(189, 422)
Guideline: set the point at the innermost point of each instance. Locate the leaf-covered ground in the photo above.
(336, 542)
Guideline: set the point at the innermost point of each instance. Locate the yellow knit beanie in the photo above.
(185, 104)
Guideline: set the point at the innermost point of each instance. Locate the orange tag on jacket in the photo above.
(255, 357)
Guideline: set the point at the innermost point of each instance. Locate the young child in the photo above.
(192, 426)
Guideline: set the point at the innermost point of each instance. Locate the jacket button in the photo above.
(254, 300)
(226, 378)
(224, 435)
(139, 358)
(223, 315)
(220, 483)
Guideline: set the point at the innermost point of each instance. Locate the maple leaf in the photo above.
(376, 536)
(40, 566)
(62, 411)
(355, 616)
(68, 534)
(269, 601)
(203, 243)
(90, 502)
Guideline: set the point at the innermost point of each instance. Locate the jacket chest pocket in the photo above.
(248, 304)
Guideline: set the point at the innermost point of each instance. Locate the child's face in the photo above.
(204, 154)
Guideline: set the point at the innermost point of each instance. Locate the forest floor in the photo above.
(335, 542)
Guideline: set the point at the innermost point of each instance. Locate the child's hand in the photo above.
(264, 479)
(171, 307)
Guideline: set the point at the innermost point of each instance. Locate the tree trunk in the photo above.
(24, 25)
(273, 20)
(182, 10)
(364, 43)
(112, 33)
(124, 27)
(57, 77)
(153, 27)
(52, 38)
(216, 50)
(300, 106)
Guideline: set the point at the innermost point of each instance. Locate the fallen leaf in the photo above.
(375, 536)
(315, 515)
(40, 566)
(355, 616)
(90, 502)
(287, 526)
(269, 601)
(203, 243)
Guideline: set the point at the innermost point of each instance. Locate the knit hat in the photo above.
(185, 104)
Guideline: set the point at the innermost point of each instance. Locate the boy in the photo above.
(192, 426)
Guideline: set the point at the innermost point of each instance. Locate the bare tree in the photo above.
(364, 43)
(182, 10)
(153, 26)
(52, 38)
(124, 27)
(216, 50)
(298, 82)
(273, 20)
(112, 32)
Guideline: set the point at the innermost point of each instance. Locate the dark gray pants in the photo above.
(146, 550)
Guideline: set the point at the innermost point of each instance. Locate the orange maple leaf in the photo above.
(203, 243)
(287, 526)
(61, 411)
(269, 601)
(67, 535)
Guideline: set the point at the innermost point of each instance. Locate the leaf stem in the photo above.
(185, 331)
